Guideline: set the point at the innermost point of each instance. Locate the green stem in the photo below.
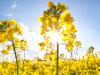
(3, 57)
(71, 56)
(17, 66)
(76, 53)
(57, 65)
(24, 60)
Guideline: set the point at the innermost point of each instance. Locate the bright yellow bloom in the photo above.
(78, 44)
(66, 17)
(70, 46)
(5, 52)
(12, 22)
(42, 45)
(50, 4)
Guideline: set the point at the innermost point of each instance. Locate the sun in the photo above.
(54, 37)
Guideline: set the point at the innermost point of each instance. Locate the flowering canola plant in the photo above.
(57, 19)
(8, 30)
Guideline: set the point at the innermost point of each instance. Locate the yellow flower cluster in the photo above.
(84, 66)
(8, 29)
(58, 19)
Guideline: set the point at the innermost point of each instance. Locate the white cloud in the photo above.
(9, 15)
(14, 5)
(32, 40)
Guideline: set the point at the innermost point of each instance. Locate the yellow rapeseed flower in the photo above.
(50, 4)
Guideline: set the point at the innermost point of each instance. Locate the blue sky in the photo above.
(85, 12)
